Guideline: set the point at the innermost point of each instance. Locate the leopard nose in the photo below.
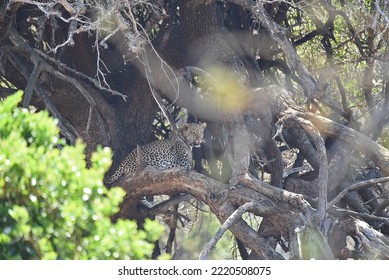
(197, 143)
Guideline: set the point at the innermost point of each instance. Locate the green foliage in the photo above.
(51, 205)
(312, 244)
(358, 38)
(193, 241)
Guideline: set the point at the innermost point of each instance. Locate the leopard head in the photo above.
(193, 133)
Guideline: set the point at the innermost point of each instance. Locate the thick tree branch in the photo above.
(375, 244)
(290, 119)
(373, 150)
(222, 201)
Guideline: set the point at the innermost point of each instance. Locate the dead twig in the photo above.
(365, 216)
(226, 225)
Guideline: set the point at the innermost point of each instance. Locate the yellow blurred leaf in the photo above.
(227, 94)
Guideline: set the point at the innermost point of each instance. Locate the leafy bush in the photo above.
(51, 205)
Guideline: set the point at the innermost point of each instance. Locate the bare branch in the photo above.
(43, 65)
(382, 13)
(226, 225)
(369, 217)
(66, 128)
(294, 200)
(376, 152)
(167, 204)
(279, 34)
(354, 187)
(31, 84)
(375, 244)
(290, 118)
(92, 81)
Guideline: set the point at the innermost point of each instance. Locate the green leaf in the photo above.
(52, 205)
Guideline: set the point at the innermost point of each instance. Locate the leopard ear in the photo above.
(203, 125)
(185, 126)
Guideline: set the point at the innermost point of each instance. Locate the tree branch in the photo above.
(376, 152)
(222, 201)
(226, 225)
(354, 187)
(66, 128)
(43, 65)
(31, 84)
(291, 119)
(279, 35)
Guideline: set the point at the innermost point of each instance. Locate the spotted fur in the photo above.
(174, 151)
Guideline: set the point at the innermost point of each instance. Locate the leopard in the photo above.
(174, 151)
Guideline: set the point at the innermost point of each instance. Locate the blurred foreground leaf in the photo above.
(51, 205)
